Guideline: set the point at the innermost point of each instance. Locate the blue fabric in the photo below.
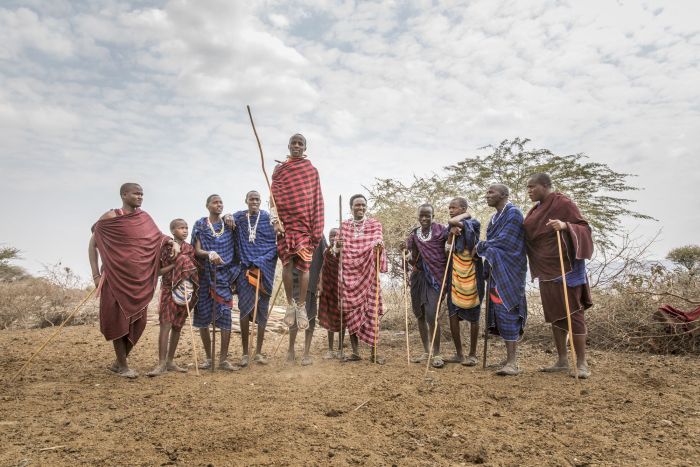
(506, 260)
(471, 314)
(246, 300)
(577, 276)
(471, 230)
(226, 275)
(506, 323)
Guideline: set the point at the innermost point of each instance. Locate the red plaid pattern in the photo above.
(185, 268)
(328, 311)
(297, 191)
(360, 279)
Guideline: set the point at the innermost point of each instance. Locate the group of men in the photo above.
(338, 282)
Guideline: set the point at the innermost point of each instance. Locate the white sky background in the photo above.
(93, 94)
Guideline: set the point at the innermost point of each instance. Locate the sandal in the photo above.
(329, 355)
(302, 319)
(244, 361)
(172, 366)
(470, 361)
(454, 359)
(227, 366)
(583, 373)
(206, 365)
(508, 370)
(353, 357)
(306, 361)
(260, 359)
(128, 373)
(437, 362)
(554, 369)
(420, 359)
(290, 314)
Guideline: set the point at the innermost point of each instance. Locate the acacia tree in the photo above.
(594, 186)
(10, 271)
(687, 256)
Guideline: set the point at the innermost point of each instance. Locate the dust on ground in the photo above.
(68, 409)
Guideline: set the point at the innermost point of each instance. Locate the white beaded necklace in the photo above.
(498, 215)
(214, 232)
(252, 230)
(358, 227)
(426, 238)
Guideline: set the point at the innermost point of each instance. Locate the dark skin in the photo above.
(425, 328)
(297, 146)
(253, 201)
(215, 206)
(169, 337)
(497, 199)
(132, 198)
(359, 209)
(537, 193)
(457, 214)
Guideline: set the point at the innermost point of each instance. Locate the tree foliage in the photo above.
(10, 271)
(687, 256)
(594, 187)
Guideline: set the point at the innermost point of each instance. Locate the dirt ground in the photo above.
(69, 410)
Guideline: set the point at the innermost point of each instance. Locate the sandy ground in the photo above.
(69, 410)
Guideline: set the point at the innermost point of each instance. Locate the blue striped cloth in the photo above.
(506, 260)
(226, 275)
(261, 254)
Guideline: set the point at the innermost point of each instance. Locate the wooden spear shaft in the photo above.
(405, 302)
(437, 309)
(194, 347)
(340, 274)
(255, 315)
(376, 309)
(568, 310)
(486, 322)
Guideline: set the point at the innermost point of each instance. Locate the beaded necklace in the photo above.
(498, 215)
(426, 238)
(358, 227)
(214, 232)
(252, 230)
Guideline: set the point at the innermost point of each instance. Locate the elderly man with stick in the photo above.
(215, 247)
(554, 213)
(506, 269)
(363, 257)
(258, 253)
(426, 253)
(298, 221)
(129, 244)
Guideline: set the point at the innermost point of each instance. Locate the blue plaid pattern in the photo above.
(226, 275)
(506, 323)
(263, 253)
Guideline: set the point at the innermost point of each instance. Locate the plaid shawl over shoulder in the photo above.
(297, 191)
(504, 252)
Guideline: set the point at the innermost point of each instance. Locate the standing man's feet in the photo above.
(290, 315)
(172, 366)
(378, 360)
(330, 355)
(422, 358)
(583, 372)
(437, 362)
(455, 358)
(128, 373)
(556, 368)
(206, 365)
(509, 369)
(158, 370)
(260, 359)
(471, 360)
(291, 356)
(244, 361)
(228, 366)
(307, 360)
(302, 319)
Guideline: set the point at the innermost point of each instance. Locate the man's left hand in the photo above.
(556, 224)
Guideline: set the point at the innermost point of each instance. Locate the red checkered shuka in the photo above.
(297, 191)
(185, 268)
(360, 283)
(328, 311)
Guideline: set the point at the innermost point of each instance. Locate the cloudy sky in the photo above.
(96, 93)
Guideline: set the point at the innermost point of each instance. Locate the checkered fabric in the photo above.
(185, 268)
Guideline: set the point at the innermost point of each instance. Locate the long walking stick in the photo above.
(340, 275)
(437, 310)
(255, 315)
(486, 322)
(213, 319)
(405, 302)
(262, 162)
(194, 347)
(54, 334)
(568, 311)
(376, 310)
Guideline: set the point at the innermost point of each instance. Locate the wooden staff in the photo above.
(437, 309)
(568, 311)
(255, 315)
(189, 317)
(213, 318)
(486, 321)
(340, 274)
(54, 334)
(405, 301)
(273, 204)
(376, 309)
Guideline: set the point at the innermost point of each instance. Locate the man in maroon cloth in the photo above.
(298, 221)
(555, 212)
(130, 244)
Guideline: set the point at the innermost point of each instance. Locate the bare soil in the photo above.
(68, 409)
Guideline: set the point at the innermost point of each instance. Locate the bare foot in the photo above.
(128, 373)
(157, 371)
(583, 372)
(509, 369)
(456, 358)
(307, 360)
(471, 360)
(244, 361)
(291, 356)
(228, 366)
(114, 367)
(172, 366)
(556, 368)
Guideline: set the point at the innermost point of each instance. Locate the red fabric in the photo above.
(185, 268)
(130, 247)
(359, 281)
(684, 316)
(297, 191)
(541, 240)
(328, 310)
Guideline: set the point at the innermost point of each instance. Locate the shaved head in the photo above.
(501, 188)
(127, 187)
(543, 179)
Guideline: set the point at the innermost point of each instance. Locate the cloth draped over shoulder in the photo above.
(226, 273)
(467, 272)
(359, 281)
(429, 256)
(130, 248)
(542, 248)
(296, 188)
(328, 310)
(506, 259)
(261, 253)
(185, 269)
